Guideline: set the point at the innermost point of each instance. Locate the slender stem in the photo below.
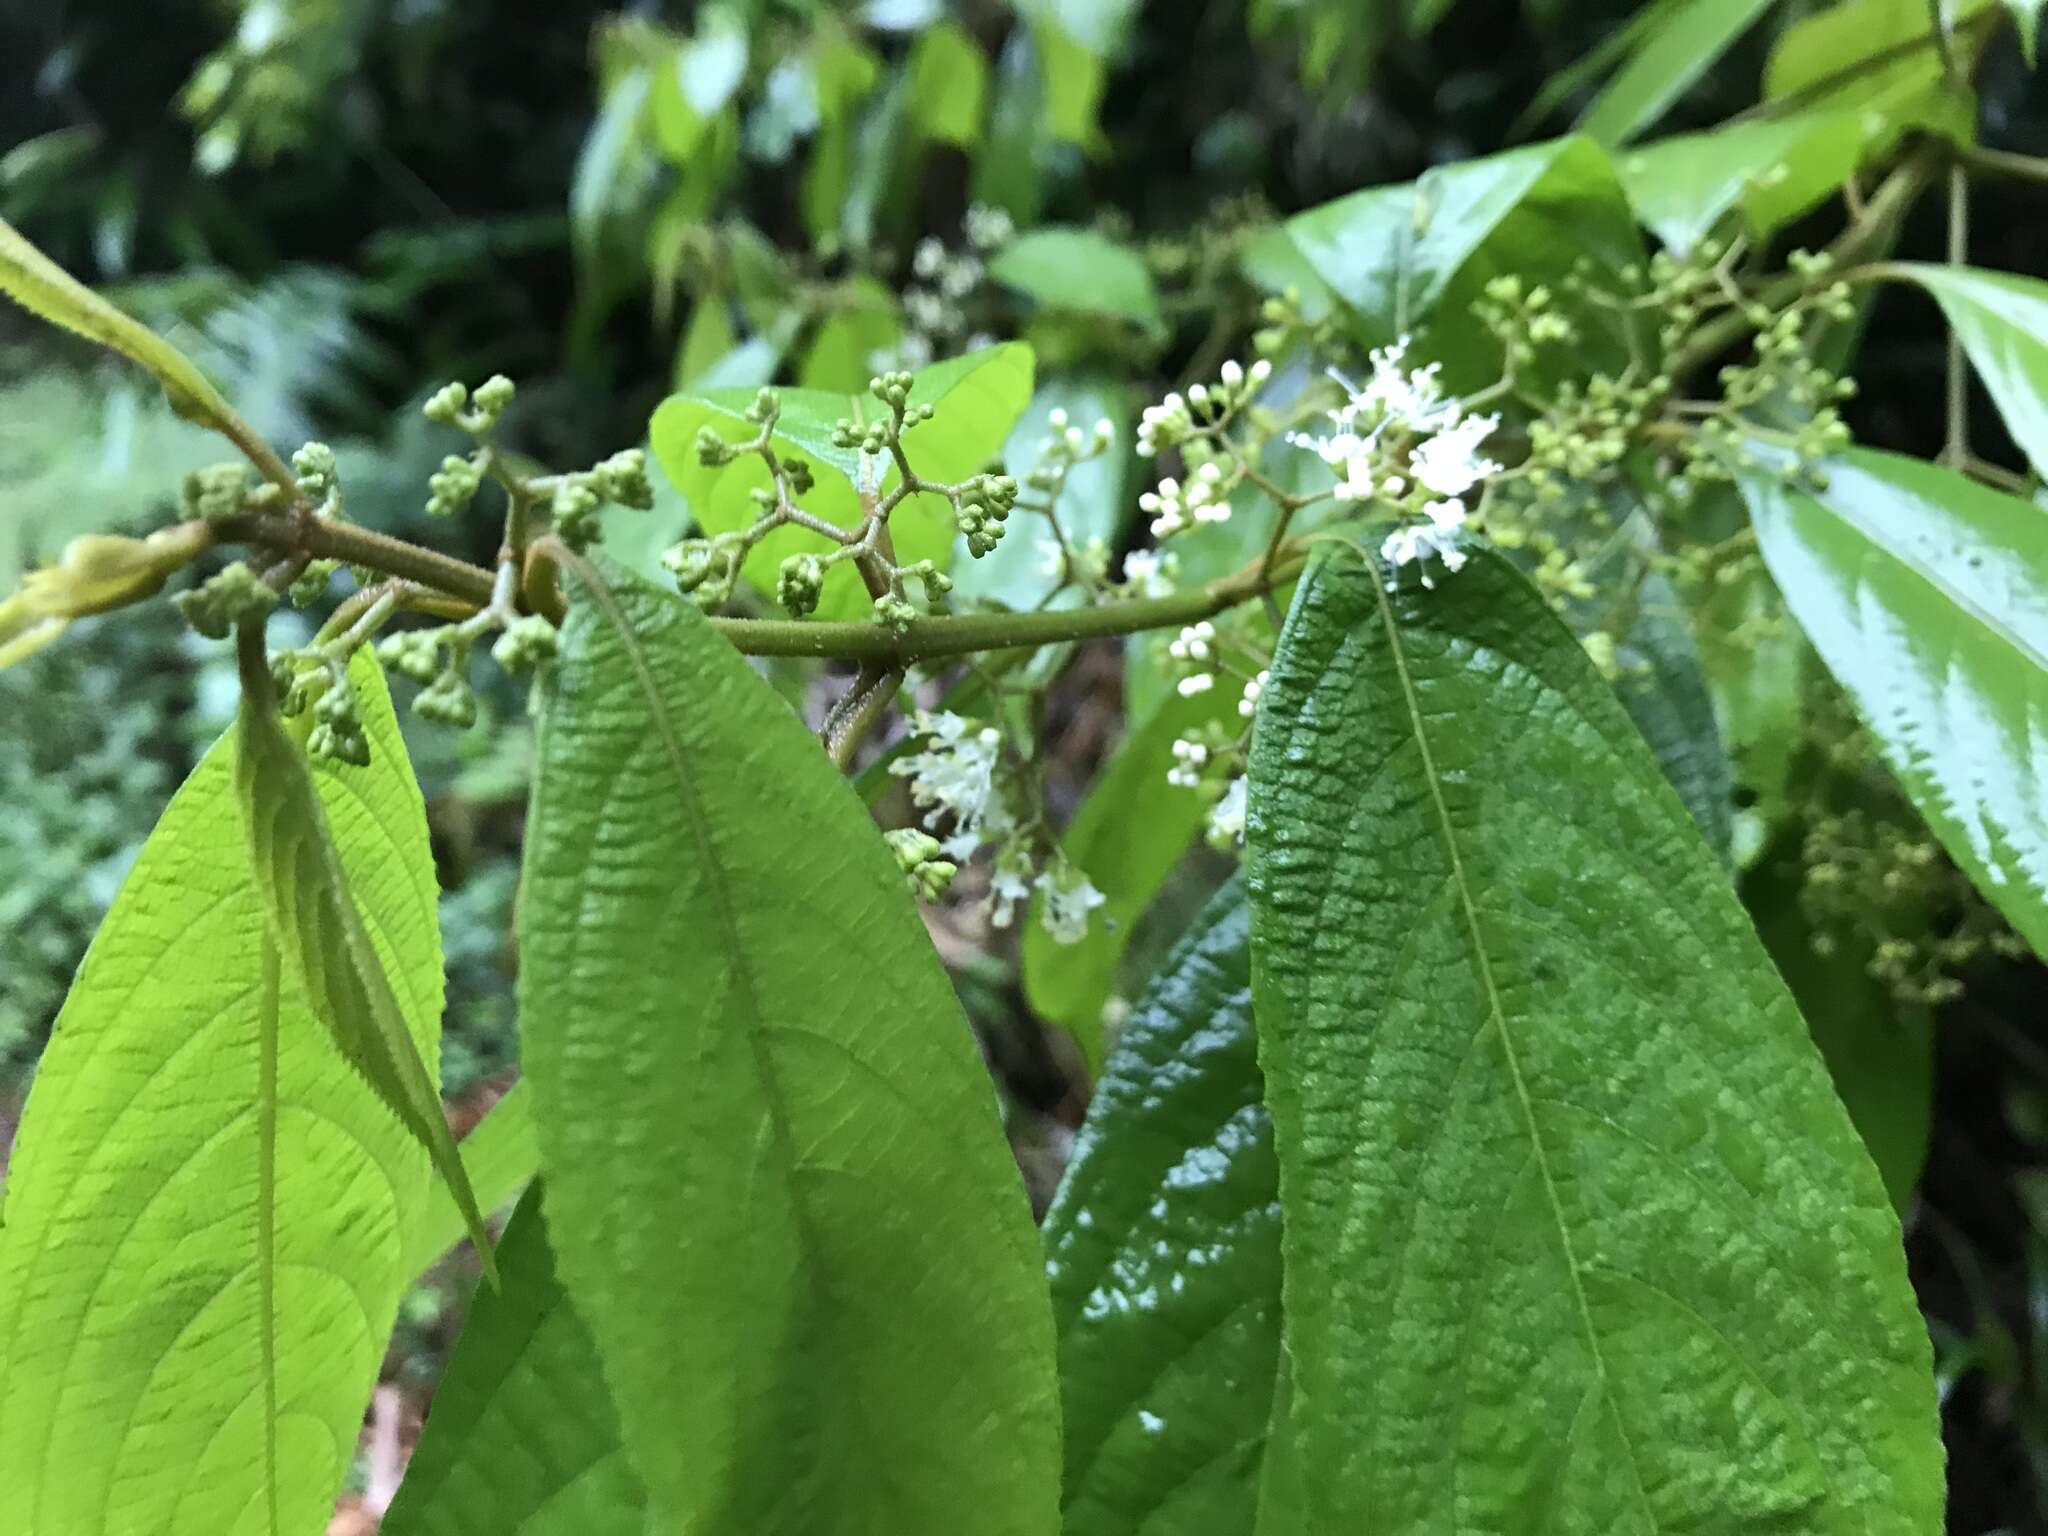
(324, 538)
(857, 713)
(1955, 448)
(2002, 162)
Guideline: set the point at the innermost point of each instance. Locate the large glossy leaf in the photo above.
(1164, 1249)
(326, 949)
(1927, 596)
(1683, 47)
(1129, 834)
(2003, 322)
(522, 1439)
(978, 397)
(777, 1188)
(207, 1206)
(1417, 257)
(1577, 1237)
(1082, 271)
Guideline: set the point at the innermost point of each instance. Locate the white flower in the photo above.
(1008, 884)
(1069, 898)
(1189, 758)
(1232, 373)
(929, 257)
(1226, 817)
(1249, 704)
(1449, 463)
(1148, 573)
(1201, 682)
(1056, 418)
(1413, 400)
(1416, 542)
(954, 777)
(1192, 643)
(1169, 515)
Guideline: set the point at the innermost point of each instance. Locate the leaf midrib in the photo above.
(1497, 1014)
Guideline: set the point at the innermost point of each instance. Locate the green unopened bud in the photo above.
(895, 612)
(413, 653)
(575, 509)
(766, 407)
(312, 583)
(623, 478)
(448, 700)
(689, 562)
(236, 595)
(713, 450)
(917, 855)
(330, 743)
(799, 583)
(492, 396)
(316, 470)
(526, 643)
(445, 404)
(216, 492)
(453, 486)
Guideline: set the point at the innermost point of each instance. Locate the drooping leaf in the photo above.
(1927, 596)
(1163, 1244)
(790, 1221)
(1548, 1125)
(978, 397)
(2003, 322)
(522, 1439)
(200, 1256)
(43, 288)
(327, 952)
(1080, 271)
(500, 1155)
(2026, 17)
(1415, 258)
(1127, 837)
(1683, 47)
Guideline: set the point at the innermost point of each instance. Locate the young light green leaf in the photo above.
(1880, 55)
(790, 1221)
(949, 84)
(200, 1257)
(978, 397)
(327, 952)
(1128, 835)
(1773, 169)
(1927, 596)
(2003, 322)
(45, 289)
(1683, 47)
(522, 1439)
(1164, 1249)
(1576, 1234)
(500, 1156)
(1080, 271)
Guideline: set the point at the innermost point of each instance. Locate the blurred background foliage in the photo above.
(337, 205)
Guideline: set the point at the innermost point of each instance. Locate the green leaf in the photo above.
(1576, 1234)
(1683, 47)
(1880, 1056)
(842, 353)
(1927, 596)
(522, 1440)
(1130, 833)
(1163, 1244)
(1073, 78)
(326, 949)
(1415, 258)
(2026, 17)
(2003, 323)
(207, 1206)
(1773, 169)
(792, 1224)
(978, 398)
(500, 1155)
(1081, 271)
(45, 289)
(1877, 55)
(1092, 503)
(949, 84)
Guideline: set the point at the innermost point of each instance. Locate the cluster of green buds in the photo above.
(1204, 409)
(877, 437)
(453, 405)
(318, 680)
(981, 507)
(216, 493)
(1680, 287)
(439, 658)
(707, 569)
(920, 857)
(233, 596)
(577, 498)
(1523, 319)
